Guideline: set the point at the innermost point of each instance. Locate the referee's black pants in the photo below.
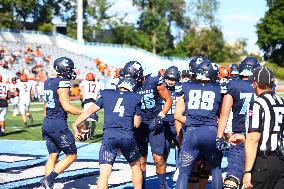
(268, 173)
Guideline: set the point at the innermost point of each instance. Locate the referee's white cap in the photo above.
(264, 76)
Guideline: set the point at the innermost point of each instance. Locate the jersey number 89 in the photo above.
(201, 100)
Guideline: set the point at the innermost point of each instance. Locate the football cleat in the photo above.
(45, 183)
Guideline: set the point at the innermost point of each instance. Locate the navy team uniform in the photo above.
(54, 128)
(150, 109)
(242, 93)
(202, 104)
(168, 122)
(120, 107)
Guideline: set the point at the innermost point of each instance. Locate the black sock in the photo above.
(51, 177)
(144, 178)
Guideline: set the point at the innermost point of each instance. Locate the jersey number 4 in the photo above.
(201, 100)
(119, 108)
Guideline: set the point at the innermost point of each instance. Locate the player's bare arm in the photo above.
(86, 114)
(8, 95)
(165, 95)
(137, 121)
(32, 94)
(81, 92)
(180, 108)
(225, 113)
(251, 146)
(64, 99)
(179, 118)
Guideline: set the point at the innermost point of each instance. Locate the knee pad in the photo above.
(234, 180)
(193, 178)
(204, 174)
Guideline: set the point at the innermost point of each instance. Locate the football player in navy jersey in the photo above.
(171, 82)
(240, 94)
(234, 71)
(54, 128)
(151, 88)
(121, 114)
(201, 101)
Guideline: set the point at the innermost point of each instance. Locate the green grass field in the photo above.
(16, 131)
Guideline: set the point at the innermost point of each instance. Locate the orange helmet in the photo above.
(24, 78)
(224, 72)
(90, 76)
(0, 78)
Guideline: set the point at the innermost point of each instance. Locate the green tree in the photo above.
(204, 11)
(95, 18)
(207, 41)
(128, 34)
(18, 11)
(158, 18)
(270, 31)
(236, 51)
(24, 9)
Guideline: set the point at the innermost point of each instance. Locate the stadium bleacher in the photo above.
(111, 54)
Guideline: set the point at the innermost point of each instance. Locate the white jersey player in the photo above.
(14, 91)
(4, 96)
(25, 94)
(33, 84)
(89, 90)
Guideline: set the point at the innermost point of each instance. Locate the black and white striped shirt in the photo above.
(266, 116)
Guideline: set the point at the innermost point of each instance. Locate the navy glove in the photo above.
(221, 144)
(157, 123)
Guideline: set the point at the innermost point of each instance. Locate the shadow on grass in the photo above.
(97, 138)
(15, 132)
(36, 125)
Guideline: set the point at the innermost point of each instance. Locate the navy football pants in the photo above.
(199, 141)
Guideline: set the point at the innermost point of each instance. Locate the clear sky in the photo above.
(237, 18)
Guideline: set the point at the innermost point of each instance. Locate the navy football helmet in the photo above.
(65, 68)
(207, 71)
(127, 83)
(193, 63)
(247, 66)
(234, 69)
(133, 69)
(172, 73)
(121, 73)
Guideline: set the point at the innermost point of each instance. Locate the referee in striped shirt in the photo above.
(264, 162)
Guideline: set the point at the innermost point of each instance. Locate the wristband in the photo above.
(162, 115)
(248, 171)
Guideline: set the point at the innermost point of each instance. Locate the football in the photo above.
(84, 131)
